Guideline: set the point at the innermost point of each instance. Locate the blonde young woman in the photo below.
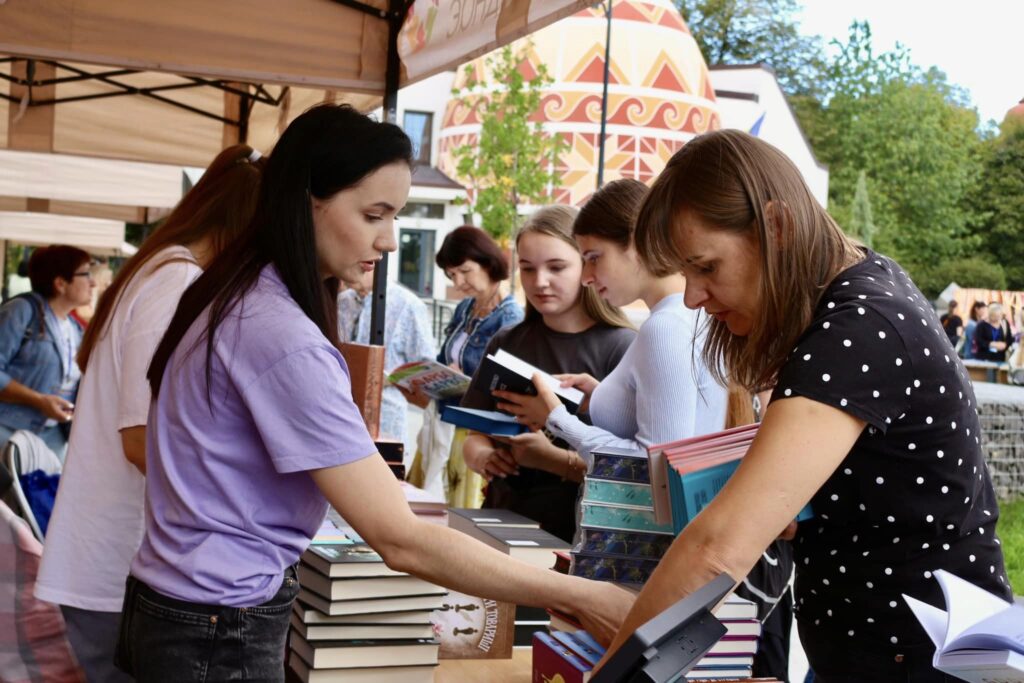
(567, 328)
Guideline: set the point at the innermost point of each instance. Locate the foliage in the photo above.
(513, 162)
(862, 225)
(998, 199)
(912, 136)
(973, 271)
(1011, 533)
(750, 31)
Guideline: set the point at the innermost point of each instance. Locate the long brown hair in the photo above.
(735, 182)
(556, 221)
(610, 213)
(219, 208)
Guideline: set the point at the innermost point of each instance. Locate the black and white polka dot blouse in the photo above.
(913, 495)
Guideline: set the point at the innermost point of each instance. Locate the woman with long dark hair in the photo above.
(98, 517)
(253, 428)
(873, 419)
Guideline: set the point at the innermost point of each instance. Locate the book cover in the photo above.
(483, 421)
(625, 543)
(391, 450)
(473, 628)
(619, 464)
(563, 622)
(621, 517)
(423, 503)
(735, 608)
(408, 603)
(366, 374)
(364, 588)
(582, 645)
(617, 492)
(338, 560)
(553, 662)
(431, 378)
(629, 570)
(373, 674)
(530, 545)
(505, 372)
(341, 654)
(317, 632)
(467, 520)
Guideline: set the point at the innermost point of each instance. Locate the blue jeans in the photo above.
(163, 640)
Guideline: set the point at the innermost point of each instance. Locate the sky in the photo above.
(979, 44)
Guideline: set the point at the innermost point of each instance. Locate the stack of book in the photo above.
(426, 506)
(393, 453)
(567, 648)
(620, 539)
(687, 474)
(519, 537)
(356, 619)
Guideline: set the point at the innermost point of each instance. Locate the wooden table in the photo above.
(519, 669)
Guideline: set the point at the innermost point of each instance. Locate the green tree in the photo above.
(862, 225)
(513, 161)
(998, 198)
(749, 31)
(911, 133)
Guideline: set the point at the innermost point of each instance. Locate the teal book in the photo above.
(483, 421)
(693, 491)
(617, 492)
(621, 517)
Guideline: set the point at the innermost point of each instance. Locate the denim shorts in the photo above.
(166, 640)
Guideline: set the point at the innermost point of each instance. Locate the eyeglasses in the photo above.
(84, 273)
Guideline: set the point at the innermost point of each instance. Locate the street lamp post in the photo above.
(604, 94)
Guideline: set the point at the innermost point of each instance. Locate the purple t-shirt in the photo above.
(229, 502)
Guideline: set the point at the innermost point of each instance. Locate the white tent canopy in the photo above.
(95, 235)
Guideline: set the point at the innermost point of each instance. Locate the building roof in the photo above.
(429, 176)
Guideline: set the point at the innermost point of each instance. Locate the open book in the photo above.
(979, 638)
(502, 370)
(430, 377)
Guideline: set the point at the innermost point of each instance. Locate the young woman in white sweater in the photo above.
(661, 390)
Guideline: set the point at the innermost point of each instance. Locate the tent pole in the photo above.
(391, 77)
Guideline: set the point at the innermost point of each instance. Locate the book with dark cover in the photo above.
(317, 632)
(483, 421)
(563, 561)
(530, 545)
(629, 570)
(553, 661)
(563, 622)
(341, 654)
(620, 464)
(363, 588)
(398, 471)
(373, 674)
(366, 374)
(407, 603)
(467, 520)
(473, 628)
(343, 560)
(505, 372)
(391, 450)
(624, 543)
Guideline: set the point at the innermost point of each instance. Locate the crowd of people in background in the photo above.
(211, 417)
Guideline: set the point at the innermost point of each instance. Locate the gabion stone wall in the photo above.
(1001, 412)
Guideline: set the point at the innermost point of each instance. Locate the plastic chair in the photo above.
(25, 452)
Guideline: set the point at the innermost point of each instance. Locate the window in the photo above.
(422, 210)
(416, 261)
(418, 126)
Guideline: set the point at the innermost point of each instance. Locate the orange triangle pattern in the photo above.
(664, 74)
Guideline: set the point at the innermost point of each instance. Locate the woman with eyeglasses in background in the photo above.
(38, 342)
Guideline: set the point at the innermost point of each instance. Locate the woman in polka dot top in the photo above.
(873, 419)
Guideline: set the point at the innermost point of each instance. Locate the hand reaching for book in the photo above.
(582, 381)
(531, 411)
(604, 611)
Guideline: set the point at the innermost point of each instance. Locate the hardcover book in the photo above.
(311, 615)
(343, 654)
(629, 570)
(484, 421)
(366, 373)
(468, 520)
(617, 492)
(529, 545)
(373, 674)
(317, 632)
(346, 560)
(505, 372)
(620, 464)
(621, 517)
(408, 603)
(473, 628)
(553, 662)
(365, 588)
(431, 378)
(625, 543)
